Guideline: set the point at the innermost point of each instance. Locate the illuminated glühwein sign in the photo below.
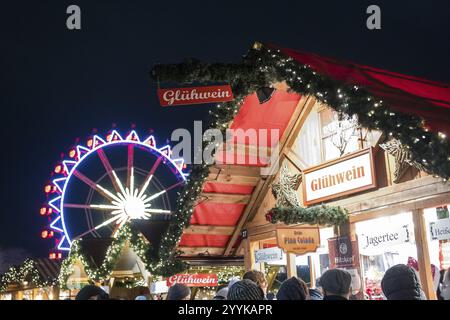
(346, 175)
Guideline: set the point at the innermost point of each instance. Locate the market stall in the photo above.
(355, 144)
(34, 279)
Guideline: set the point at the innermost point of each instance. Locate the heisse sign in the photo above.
(346, 175)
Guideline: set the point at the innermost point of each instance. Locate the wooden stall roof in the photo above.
(221, 209)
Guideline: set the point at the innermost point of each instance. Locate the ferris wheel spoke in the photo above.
(118, 182)
(91, 206)
(130, 169)
(105, 223)
(109, 169)
(154, 196)
(158, 211)
(95, 186)
(149, 177)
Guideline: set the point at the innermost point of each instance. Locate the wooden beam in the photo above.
(392, 209)
(291, 265)
(235, 169)
(207, 229)
(289, 137)
(204, 251)
(293, 158)
(239, 180)
(304, 106)
(242, 219)
(224, 198)
(423, 255)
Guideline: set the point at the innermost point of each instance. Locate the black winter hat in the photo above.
(336, 281)
(90, 291)
(178, 292)
(245, 290)
(291, 289)
(400, 283)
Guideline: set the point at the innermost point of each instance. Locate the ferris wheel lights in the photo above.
(55, 203)
(133, 136)
(150, 141)
(90, 142)
(73, 153)
(81, 151)
(113, 136)
(127, 203)
(64, 244)
(166, 151)
(57, 224)
(45, 211)
(59, 183)
(55, 255)
(68, 165)
(49, 188)
(47, 234)
(97, 141)
(58, 168)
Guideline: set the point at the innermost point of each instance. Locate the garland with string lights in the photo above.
(124, 236)
(321, 215)
(262, 67)
(25, 272)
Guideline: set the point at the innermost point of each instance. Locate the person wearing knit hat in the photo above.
(293, 289)
(336, 284)
(91, 292)
(400, 283)
(245, 290)
(221, 294)
(233, 281)
(179, 292)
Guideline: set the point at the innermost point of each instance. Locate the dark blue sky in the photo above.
(56, 85)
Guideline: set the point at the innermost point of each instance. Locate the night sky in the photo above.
(57, 85)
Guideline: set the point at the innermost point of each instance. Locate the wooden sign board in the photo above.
(298, 240)
(194, 95)
(194, 280)
(346, 175)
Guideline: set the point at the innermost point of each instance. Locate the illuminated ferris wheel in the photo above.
(108, 183)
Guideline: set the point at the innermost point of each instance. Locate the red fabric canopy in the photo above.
(411, 95)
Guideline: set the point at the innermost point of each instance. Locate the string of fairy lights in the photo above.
(26, 273)
(262, 67)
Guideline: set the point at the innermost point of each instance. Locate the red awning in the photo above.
(411, 95)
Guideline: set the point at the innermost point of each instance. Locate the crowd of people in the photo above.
(400, 282)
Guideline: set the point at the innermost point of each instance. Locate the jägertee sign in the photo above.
(268, 255)
(440, 229)
(194, 95)
(194, 280)
(384, 238)
(298, 240)
(346, 175)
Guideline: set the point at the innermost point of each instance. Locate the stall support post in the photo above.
(249, 255)
(291, 266)
(423, 255)
(55, 292)
(312, 274)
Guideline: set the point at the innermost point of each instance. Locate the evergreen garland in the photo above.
(24, 272)
(125, 235)
(263, 66)
(321, 215)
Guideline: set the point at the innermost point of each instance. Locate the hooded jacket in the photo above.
(400, 283)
